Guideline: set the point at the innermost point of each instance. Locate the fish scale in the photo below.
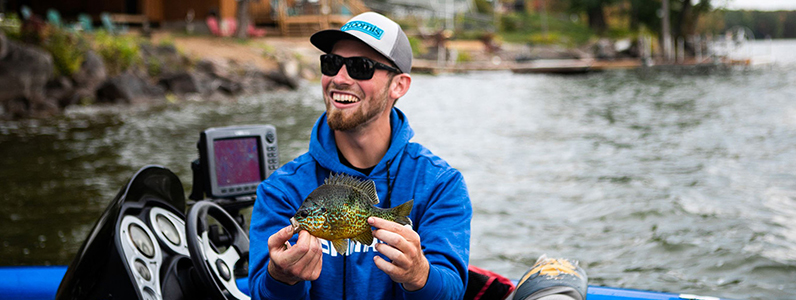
(339, 210)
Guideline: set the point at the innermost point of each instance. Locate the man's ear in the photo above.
(400, 85)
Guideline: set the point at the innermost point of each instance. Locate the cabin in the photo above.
(291, 17)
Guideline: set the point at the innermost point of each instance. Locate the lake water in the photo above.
(668, 181)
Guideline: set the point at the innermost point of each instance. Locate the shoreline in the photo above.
(131, 69)
(174, 66)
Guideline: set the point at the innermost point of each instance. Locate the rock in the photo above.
(62, 90)
(289, 74)
(24, 73)
(229, 87)
(83, 83)
(215, 67)
(128, 88)
(163, 59)
(3, 45)
(188, 83)
(92, 70)
(220, 73)
(257, 81)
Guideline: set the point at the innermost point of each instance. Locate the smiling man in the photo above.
(365, 70)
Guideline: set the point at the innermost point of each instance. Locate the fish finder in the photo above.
(233, 161)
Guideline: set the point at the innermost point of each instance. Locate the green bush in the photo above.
(153, 66)
(483, 6)
(552, 38)
(67, 49)
(532, 27)
(463, 57)
(417, 46)
(512, 22)
(11, 26)
(120, 52)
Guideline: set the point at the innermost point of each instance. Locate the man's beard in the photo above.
(337, 119)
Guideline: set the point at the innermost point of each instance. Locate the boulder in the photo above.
(61, 89)
(182, 83)
(91, 75)
(215, 67)
(127, 88)
(3, 45)
(163, 59)
(220, 73)
(288, 74)
(24, 73)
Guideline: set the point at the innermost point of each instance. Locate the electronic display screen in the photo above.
(237, 161)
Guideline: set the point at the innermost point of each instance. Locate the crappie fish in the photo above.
(339, 209)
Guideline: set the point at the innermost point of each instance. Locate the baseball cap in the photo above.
(377, 31)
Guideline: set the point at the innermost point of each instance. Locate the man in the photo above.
(365, 70)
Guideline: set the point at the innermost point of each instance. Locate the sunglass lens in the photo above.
(360, 68)
(331, 64)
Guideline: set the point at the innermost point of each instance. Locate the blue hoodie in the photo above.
(441, 216)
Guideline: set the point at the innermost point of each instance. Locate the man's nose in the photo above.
(342, 77)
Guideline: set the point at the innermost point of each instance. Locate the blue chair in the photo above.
(25, 12)
(85, 22)
(53, 17)
(111, 27)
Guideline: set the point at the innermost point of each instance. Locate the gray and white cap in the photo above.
(375, 30)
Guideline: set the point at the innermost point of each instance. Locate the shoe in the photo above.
(552, 279)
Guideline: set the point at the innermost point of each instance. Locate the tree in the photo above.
(789, 25)
(688, 17)
(243, 18)
(595, 12)
(645, 12)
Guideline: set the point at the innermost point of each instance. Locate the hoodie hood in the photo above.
(324, 149)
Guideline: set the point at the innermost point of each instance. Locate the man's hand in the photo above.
(291, 264)
(407, 264)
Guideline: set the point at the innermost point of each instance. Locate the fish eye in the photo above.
(323, 209)
(303, 213)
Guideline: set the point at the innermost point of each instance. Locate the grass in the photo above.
(530, 28)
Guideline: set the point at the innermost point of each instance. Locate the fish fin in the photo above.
(340, 245)
(369, 188)
(401, 212)
(366, 238)
(366, 187)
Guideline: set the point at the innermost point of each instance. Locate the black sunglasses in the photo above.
(360, 68)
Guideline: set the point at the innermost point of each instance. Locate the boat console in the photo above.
(145, 246)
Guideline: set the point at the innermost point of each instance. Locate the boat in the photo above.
(41, 282)
(144, 246)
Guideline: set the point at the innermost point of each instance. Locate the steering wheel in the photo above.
(216, 269)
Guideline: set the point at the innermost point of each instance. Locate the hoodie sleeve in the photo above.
(444, 229)
(271, 212)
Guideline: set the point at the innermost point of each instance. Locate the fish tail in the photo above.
(401, 213)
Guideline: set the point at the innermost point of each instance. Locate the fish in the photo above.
(338, 210)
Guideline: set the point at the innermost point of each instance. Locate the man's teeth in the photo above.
(344, 98)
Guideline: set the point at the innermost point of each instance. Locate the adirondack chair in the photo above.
(25, 12)
(54, 18)
(225, 28)
(85, 22)
(110, 26)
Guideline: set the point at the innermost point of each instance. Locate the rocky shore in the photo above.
(173, 67)
(30, 87)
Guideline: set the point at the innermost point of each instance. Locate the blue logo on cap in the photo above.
(365, 27)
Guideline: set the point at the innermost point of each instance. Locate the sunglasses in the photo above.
(360, 68)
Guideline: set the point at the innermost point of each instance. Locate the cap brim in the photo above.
(324, 40)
